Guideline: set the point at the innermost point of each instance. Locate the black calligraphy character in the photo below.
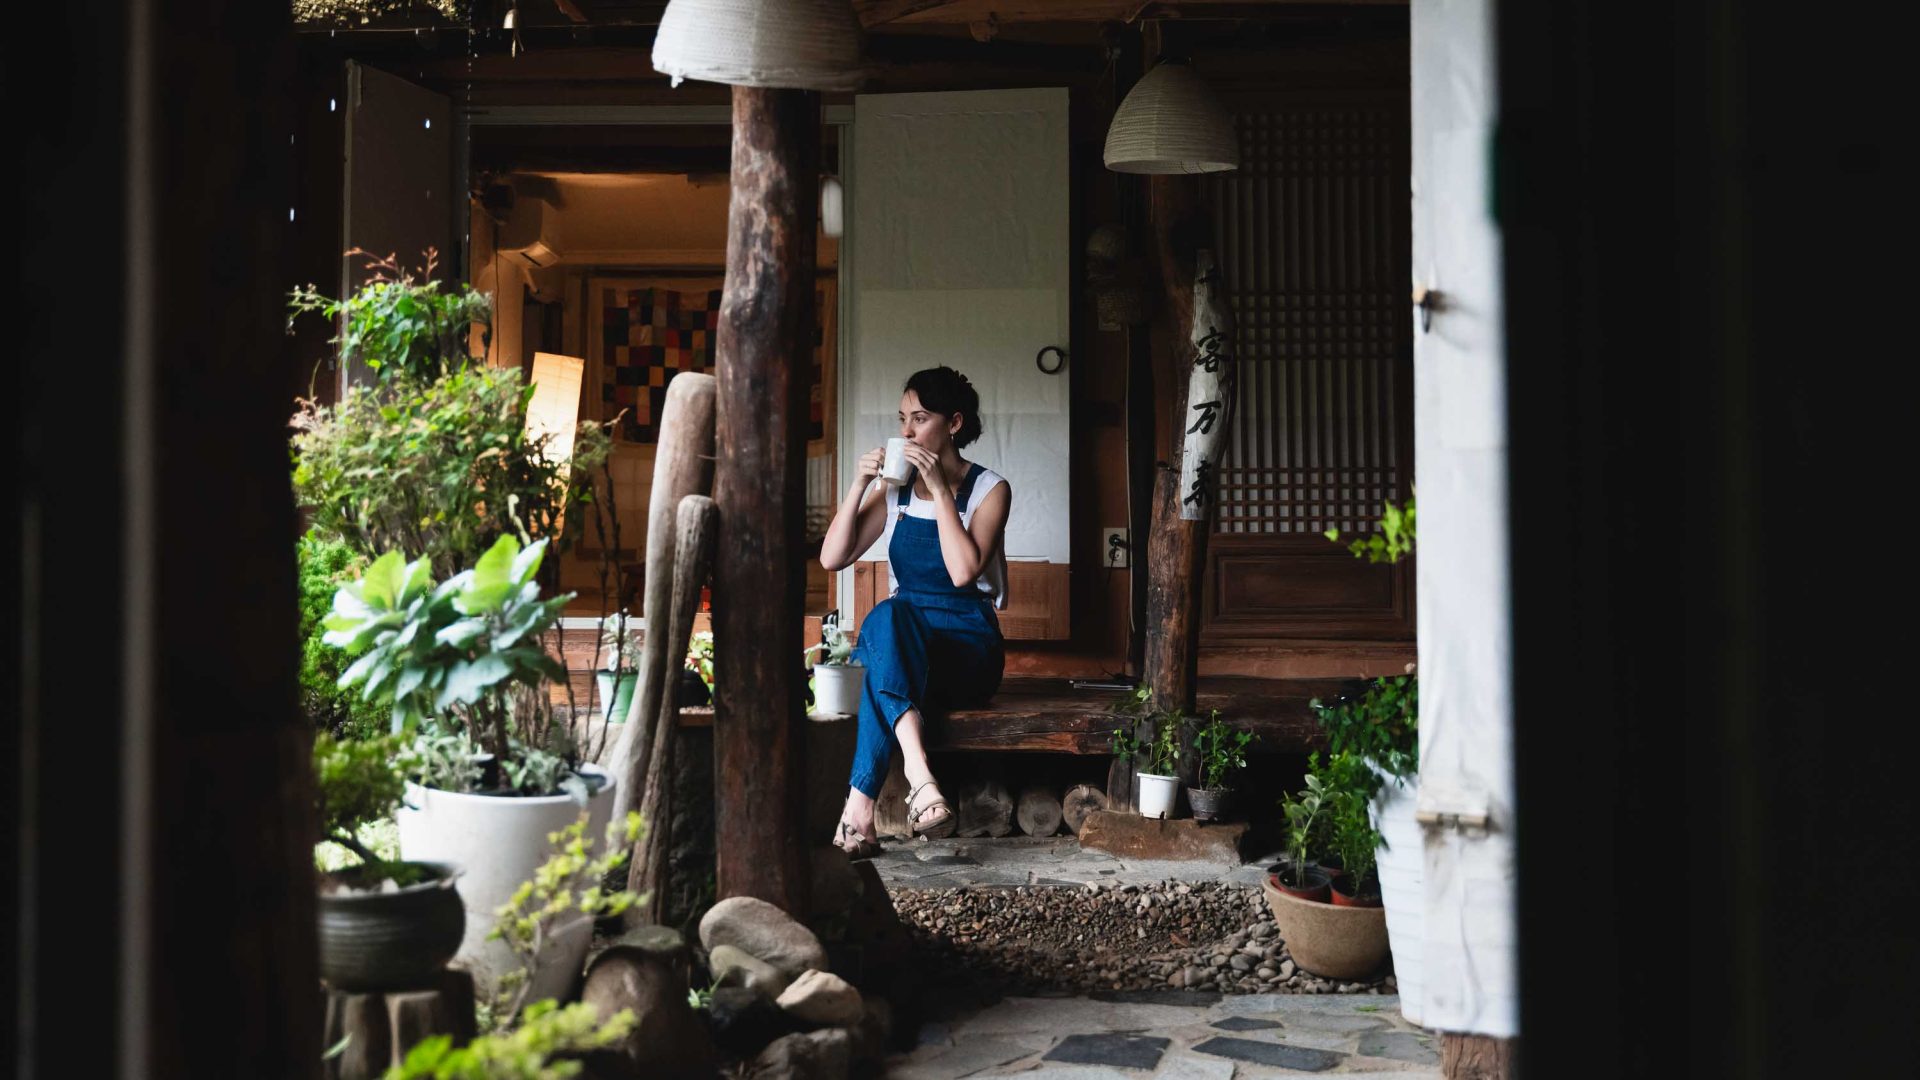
(1202, 476)
(1209, 347)
(1208, 410)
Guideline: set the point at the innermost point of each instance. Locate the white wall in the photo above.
(1460, 454)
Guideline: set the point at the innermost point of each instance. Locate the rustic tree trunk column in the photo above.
(765, 342)
(1177, 549)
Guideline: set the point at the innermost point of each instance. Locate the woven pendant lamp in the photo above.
(777, 44)
(1171, 123)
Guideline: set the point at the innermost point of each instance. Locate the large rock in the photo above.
(735, 967)
(826, 1054)
(743, 1021)
(823, 999)
(874, 1031)
(763, 931)
(669, 1040)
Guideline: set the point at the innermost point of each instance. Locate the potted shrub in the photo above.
(1156, 784)
(1351, 836)
(1380, 725)
(837, 678)
(383, 925)
(495, 770)
(616, 679)
(1332, 940)
(1221, 749)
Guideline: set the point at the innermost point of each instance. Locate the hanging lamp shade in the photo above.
(1171, 123)
(776, 44)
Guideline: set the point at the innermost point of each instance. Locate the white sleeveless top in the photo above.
(993, 577)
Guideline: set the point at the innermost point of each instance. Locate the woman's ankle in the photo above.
(917, 775)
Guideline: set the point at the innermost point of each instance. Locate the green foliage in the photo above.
(381, 837)
(1222, 748)
(1381, 724)
(1305, 827)
(570, 880)
(1350, 785)
(1394, 540)
(525, 1053)
(1161, 747)
(439, 467)
(465, 656)
(616, 638)
(700, 656)
(324, 565)
(398, 327)
(356, 782)
(698, 998)
(835, 647)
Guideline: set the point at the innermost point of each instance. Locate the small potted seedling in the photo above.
(1299, 876)
(1157, 787)
(1222, 749)
(696, 676)
(837, 677)
(618, 678)
(1326, 935)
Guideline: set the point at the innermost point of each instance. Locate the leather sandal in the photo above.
(855, 845)
(934, 820)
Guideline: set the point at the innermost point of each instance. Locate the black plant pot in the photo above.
(1209, 804)
(402, 940)
(692, 690)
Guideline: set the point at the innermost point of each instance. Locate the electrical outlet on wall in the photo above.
(1113, 547)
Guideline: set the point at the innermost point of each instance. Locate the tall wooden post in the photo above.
(1177, 551)
(766, 339)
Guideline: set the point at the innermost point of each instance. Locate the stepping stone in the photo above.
(1269, 1053)
(1398, 1045)
(1345, 1023)
(1187, 998)
(949, 860)
(1245, 1023)
(1186, 1067)
(1125, 1051)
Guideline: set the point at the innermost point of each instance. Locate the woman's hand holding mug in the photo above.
(923, 460)
(869, 465)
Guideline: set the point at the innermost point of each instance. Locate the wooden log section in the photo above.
(1080, 800)
(1048, 715)
(765, 344)
(1038, 812)
(983, 808)
(694, 529)
(682, 466)
(890, 806)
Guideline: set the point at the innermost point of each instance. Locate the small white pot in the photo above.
(1401, 866)
(498, 841)
(836, 689)
(1157, 794)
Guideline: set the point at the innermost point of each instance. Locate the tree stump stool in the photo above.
(379, 1029)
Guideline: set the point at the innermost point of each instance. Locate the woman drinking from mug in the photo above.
(937, 638)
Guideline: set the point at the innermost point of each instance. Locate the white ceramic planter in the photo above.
(836, 688)
(498, 842)
(1156, 794)
(1401, 867)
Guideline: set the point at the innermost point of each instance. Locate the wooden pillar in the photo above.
(1177, 549)
(766, 339)
(1476, 1057)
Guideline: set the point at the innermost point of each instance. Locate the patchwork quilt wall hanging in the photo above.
(649, 334)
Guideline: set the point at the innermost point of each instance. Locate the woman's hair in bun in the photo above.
(945, 391)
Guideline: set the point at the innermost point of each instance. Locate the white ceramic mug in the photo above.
(896, 470)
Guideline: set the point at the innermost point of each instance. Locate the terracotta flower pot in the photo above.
(1342, 899)
(1333, 942)
(1314, 890)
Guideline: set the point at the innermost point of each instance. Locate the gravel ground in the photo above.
(1170, 934)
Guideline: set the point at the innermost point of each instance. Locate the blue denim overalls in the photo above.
(932, 641)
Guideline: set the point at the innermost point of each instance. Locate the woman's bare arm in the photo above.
(859, 521)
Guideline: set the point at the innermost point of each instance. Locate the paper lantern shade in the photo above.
(776, 44)
(1171, 122)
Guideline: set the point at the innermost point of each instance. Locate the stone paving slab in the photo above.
(1118, 1050)
(1261, 1052)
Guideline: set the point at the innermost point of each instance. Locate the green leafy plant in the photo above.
(1222, 749)
(439, 467)
(1305, 828)
(357, 782)
(1394, 539)
(526, 1052)
(1382, 723)
(465, 656)
(324, 566)
(700, 656)
(835, 647)
(398, 326)
(1350, 834)
(616, 638)
(1160, 749)
(569, 881)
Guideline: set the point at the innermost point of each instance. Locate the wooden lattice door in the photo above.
(1312, 232)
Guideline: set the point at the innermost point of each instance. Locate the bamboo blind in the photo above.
(1314, 265)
